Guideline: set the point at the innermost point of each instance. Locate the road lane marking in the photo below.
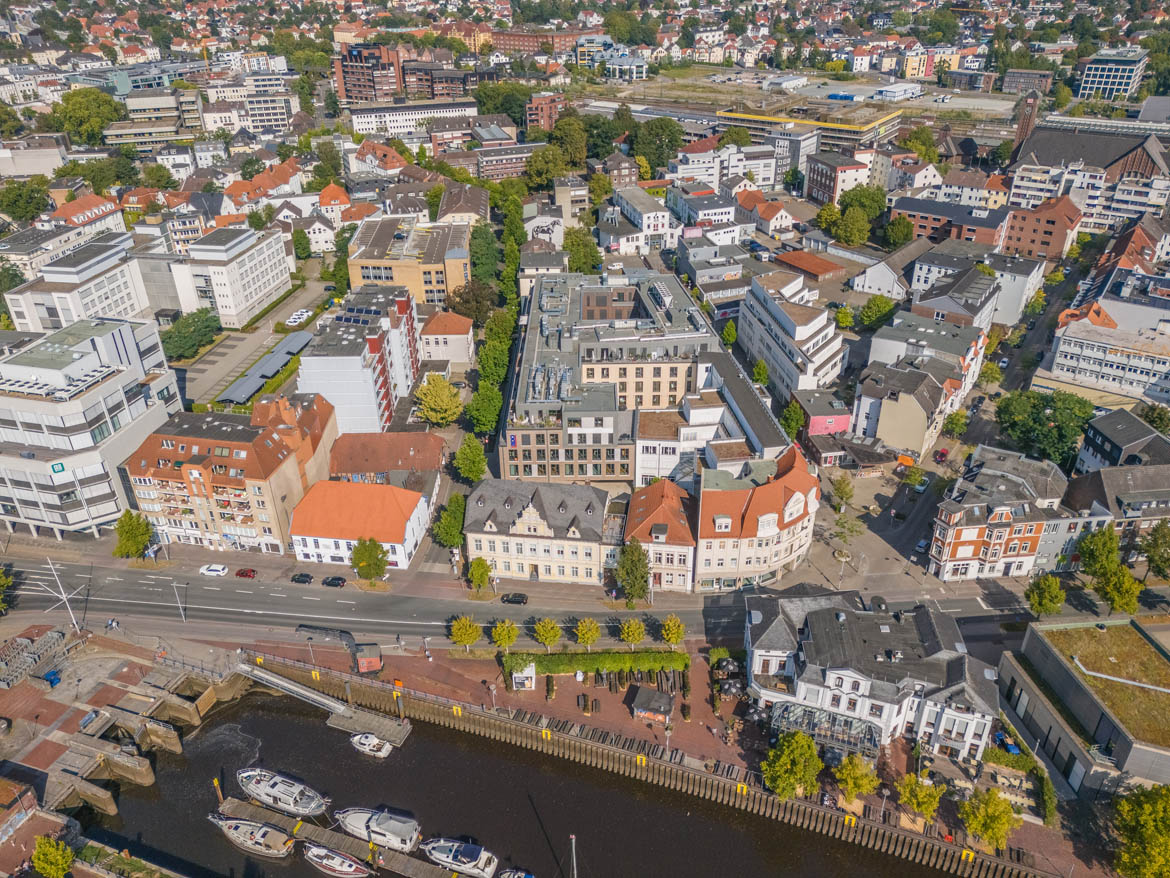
(340, 601)
(113, 579)
(275, 595)
(306, 597)
(242, 591)
(211, 588)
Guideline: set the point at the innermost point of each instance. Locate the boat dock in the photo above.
(393, 861)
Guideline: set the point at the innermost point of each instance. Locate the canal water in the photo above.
(521, 805)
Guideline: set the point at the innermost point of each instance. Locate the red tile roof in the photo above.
(84, 210)
(385, 452)
(744, 506)
(355, 511)
(447, 323)
(663, 502)
(333, 195)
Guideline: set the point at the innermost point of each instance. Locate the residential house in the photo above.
(333, 516)
(1120, 438)
(448, 336)
(660, 517)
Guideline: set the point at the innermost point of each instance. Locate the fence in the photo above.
(648, 763)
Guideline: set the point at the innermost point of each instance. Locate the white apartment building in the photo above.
(1107, 202)
(73, 405)
(715, 166)
(29, 250)
(237, 272)
(400, 119)
(911, 335)
(799, 343)
(649, 215)
(1113, 73)
(860, 679)
(333, 516)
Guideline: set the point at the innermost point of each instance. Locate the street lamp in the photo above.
(492, 689)
(312, 658)
(885, 794)
(427, 649)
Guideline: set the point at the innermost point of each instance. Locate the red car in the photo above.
(940, 456)
(246, 573)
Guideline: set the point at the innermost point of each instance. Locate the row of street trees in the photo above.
(466, 632)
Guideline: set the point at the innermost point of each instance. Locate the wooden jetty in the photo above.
(359, 721)
(393, 861)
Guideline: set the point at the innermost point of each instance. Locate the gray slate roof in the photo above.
(562, 507)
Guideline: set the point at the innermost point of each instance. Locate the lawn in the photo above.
(1121, 651)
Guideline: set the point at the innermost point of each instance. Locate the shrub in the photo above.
(716, 653)
(592, 662)
(686, 712)
(550, 688)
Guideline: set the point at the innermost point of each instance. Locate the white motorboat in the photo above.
(371, 745)
(282, 793)
(389, 829)
(515, 873)
(257, 838)
(336, 863)
(461, 857)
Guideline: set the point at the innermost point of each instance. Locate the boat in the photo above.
(335, 863)
(461, 857)
(515, 873)
(371, 745)
(282, 793)
(395, 830)
(257, 838)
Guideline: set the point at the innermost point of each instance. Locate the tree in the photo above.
(921, 140)
(569, 135)
(587, 632)
(449, 527)
(1156, 547)
(1099, 550)
(853, 229)
(794, 180)
(955, 424)
(760, 372)
(584, 257)
(6, 582)
(913, 476)
(876, 310)
(990, 374)
(673, 630)
(989, 816)
(844, 317)
(183, 339)
(633, 571)
(332, 105)
(658, 141)
(1045, 425)
(256, 220)
(470, 461)
(438, 402)
(1157, 416)
(843, 489)
(493, 363)
(1061, 96)
(600, 188)
(302, 248)
(545, 165)
(728, 335)
(250, 167)
(10, 123)
(434, 198)
(855, 776)
(52, 858)
(920, 797)
(465, 632)
(847, 528)
(1057, 277)
(792, 765)
(1045, 596)
(504, 634)
(792, 419)
(158, 176)
(828, 217)
(1036, 304)
(479, 573)
(1142, 823)
(134, 534)
(1117, 587)
(25, 200)
(484, 409)
(645, 172)
(84, 114)
(474, 299)
(484, 252)
(871, 199)
(369, 558)
(547, 632)
(899, 232)
(736, 135)
(632, 632)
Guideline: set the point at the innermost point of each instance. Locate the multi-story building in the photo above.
(660, 517)
(649, 215)
(436, 82)
(366, 72)
(619, 167)
(543, 109)
(1131, 499)
(793, 143)
(31, 249)
(991, 520)
(333, 516)
(366, 359)
(400, 118)
(429, 260)
(842, 128)
(1111, 178)
(235, 272)
(909, 335)
(531, 41)
(938, 220)
(541, 533)
(156, 117)
(903, 404)
(448, 336)
(1044, 232)
(1120, 438)
(799, 342)
(504, 162)
(1113, 73)
(860, 678)
(966, 297)
(232, 481)
(756, 523)
(33, 154)
(90, 212)
(73, 405)
(1020, 82)
(831, 174)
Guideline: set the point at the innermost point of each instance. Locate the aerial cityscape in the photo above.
(516, 438)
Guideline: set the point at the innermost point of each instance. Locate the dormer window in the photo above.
(722, 524)
(479, 501)
(508, 503)
(589, 509)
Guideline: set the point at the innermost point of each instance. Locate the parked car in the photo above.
(1006, 743)
(1004, 362)
(515, 598)
(921, 487)
(940, 456)
(301, 578)
(333, 581)
(978, 403)
(246, 573)
(459, 384)
(213, 570)
(921, 546)
(329, 288)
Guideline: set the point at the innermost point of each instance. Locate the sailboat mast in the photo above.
(573, 842)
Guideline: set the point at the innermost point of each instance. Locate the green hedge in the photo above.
(602, 660)
(1024, 761)
(1021, 761)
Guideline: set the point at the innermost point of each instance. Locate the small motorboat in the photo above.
(257, 838)
(371, 745)
(335, 863)
(515, 873)
(461, 857)
(395, 830)
(282, 793)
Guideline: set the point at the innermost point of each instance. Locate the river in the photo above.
(521, 805)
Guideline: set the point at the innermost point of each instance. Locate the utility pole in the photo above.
(64, 597)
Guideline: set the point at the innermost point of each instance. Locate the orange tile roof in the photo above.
(808, 263)
(333, 196)
(770, 209)
(749, 198)
(447, 323)
(229, 219)
(744, 506)
(357, 212)
(355, 511)
(384, 452)
(74, 212)
(663, 502)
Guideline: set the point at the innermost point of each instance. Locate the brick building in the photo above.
(543, 109)
(1044, 232)
(367, 72)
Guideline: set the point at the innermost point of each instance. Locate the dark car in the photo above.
(302, 578)
(329, 288)
(246, 573)
(514, 598)
(333, 581)
(940, 456)
(979, 400)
